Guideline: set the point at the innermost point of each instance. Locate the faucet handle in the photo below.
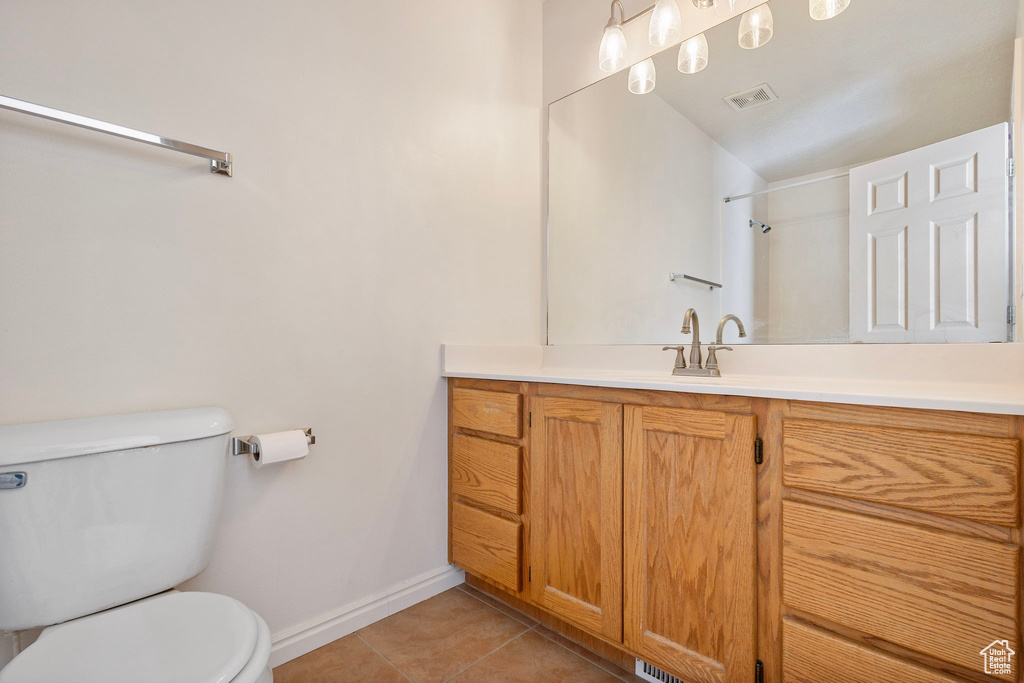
(712, 363)
(680, 357)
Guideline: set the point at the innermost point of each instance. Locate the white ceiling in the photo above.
(884, 77)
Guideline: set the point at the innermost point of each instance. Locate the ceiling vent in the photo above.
(752, 97)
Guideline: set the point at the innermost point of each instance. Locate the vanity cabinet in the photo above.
(859, 544)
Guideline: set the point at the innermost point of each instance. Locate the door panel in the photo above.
(576, 512)
(928, 240)
(689, 548)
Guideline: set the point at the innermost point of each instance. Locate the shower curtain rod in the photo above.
(786, 187)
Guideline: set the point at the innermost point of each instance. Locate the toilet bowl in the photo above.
(169, 638)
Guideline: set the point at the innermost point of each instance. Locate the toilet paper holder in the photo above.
(242, 445)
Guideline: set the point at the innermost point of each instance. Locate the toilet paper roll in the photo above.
(279, 447)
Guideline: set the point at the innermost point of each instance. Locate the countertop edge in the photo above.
(1013, 405)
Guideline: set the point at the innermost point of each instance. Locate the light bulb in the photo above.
(693, 55)
(827, 9)
(727, 8)
(641, 77)
(756, 27)
(665, 23)
(612, 56)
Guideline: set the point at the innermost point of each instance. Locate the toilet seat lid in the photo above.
(174, 637)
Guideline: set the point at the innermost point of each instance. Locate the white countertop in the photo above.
(616, 369)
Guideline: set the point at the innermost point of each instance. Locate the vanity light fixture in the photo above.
(827, 9)
(612, 55)
(703, 4)
(642, 77)
(666, 23)
(693, 55)
(756, 27)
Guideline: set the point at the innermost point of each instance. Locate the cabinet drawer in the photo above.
(810, 655)
(486, 545)
(486, 472)
(494, 412)
(938, 593)
(958, 475)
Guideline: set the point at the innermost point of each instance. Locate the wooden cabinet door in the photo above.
(576, 512)
(689, 542)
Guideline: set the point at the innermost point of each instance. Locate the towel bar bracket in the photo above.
(221, 167)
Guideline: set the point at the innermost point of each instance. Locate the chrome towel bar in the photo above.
(220, 162)
(676, 276)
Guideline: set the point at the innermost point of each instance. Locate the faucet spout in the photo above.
(695, 355)
(721, 327)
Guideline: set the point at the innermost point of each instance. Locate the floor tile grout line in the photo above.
(552, 640)
(478, 599)
(381, 655)
(464, 669)
(534, 628)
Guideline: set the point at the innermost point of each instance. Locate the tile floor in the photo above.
(461, 635)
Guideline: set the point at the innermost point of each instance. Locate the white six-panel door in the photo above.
(929, 242)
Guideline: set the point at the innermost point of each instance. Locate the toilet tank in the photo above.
(98, 512)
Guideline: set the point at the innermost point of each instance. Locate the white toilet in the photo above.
(99, 520)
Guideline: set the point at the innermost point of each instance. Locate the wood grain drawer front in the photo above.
(810, 655)
(486, 545)
(494, 412)
(958, 475)
(486, 472)
(937, 593)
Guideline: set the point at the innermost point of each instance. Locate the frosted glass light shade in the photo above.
(727, 8)
(693, 55)
(665, 23)
(756, 27)
(641, 77)
(827, 9)
(612, 55)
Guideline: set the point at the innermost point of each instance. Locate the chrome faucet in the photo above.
(695, 368)
(721, 327)
(695, 345)
(713, 349)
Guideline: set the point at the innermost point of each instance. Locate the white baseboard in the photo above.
(299, 640)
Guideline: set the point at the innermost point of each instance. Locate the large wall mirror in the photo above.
(845, 182)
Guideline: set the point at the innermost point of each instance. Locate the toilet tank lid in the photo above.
(26, 443)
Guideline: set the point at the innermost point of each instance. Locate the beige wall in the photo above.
(385, 200)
